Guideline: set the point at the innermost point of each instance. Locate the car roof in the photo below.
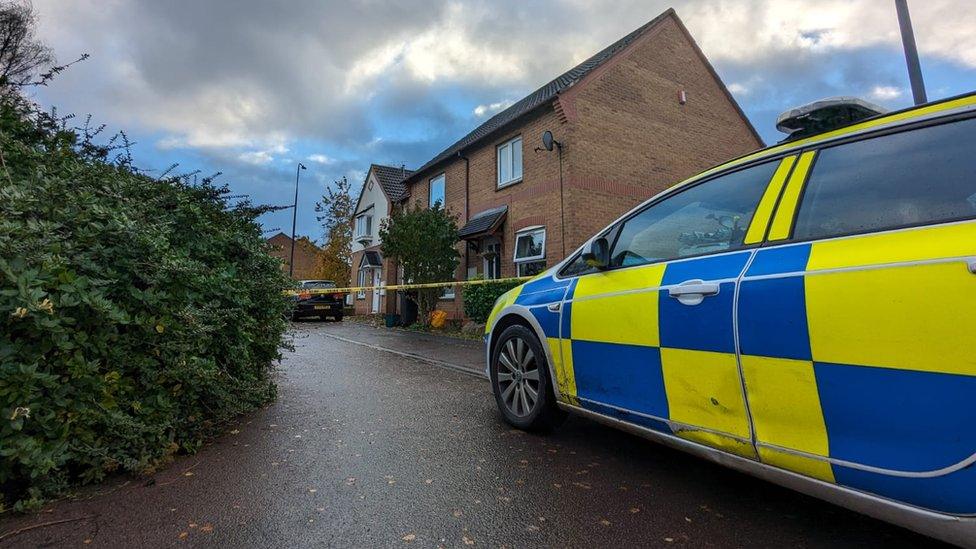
(965, 102)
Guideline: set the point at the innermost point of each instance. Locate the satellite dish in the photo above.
(547, 140)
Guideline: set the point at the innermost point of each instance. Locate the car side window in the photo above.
(709, 217)
(905, 179)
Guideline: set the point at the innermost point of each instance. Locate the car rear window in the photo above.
(911, 178)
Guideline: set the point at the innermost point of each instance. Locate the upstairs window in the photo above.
(436, 191)
(530, 251)
(364, 226)
(510, 162)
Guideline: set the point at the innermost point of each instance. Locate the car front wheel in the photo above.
(521, 382)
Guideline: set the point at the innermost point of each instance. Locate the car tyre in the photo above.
(521, 382)
(338, 317)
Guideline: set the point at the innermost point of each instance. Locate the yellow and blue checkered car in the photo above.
(846, 359)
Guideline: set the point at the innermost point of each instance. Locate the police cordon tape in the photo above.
(349, 290)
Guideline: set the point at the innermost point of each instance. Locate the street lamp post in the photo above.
(294, 217)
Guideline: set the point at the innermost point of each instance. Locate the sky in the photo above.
(249, 88)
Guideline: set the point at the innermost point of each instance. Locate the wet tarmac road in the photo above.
(365, 448)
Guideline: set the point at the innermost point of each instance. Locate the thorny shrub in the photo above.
(136, 314)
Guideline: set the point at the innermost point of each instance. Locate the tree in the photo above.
(336, 209)
(423, 241)
(24, 59)
(22, 55)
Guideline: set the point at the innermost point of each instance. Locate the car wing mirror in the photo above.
(596, 253)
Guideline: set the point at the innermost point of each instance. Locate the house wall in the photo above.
(305, 255)
(625, 138)
(632, 138)
(372, 194)
(533, 201)
(363, 305)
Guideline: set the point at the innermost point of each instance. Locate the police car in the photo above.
(805, 313)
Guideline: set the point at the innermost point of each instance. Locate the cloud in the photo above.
(738, 88)
(246, 87)
(885, 93)
(320, 159)
(256, 157)
(481, 110)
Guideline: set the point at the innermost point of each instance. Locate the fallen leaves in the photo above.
(409, 537)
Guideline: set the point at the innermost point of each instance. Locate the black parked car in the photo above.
(312, 301)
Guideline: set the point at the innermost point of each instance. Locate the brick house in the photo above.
(306, 254)
(637, 117)
(382, 189)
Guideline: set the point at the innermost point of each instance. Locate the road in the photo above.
(366, 448)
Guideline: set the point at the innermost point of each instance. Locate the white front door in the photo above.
(377, 280)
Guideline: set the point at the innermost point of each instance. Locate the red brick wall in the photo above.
(625, 138)
(533, 201)
(631, 138)
(363, 306)
(305, 255)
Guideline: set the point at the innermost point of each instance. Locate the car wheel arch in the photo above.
(520, 316)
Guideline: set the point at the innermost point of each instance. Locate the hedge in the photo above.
(137, 314)
(480, 298)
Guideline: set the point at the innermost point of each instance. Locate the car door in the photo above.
(856, 320)
(650, 339)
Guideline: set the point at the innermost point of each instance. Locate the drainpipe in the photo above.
(467, 207)
(562, 204)
(467, 171)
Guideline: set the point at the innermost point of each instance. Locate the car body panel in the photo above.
(836, 367)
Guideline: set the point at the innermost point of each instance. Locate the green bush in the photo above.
(480, 298)
(137, 314)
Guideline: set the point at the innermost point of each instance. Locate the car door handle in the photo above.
(693, 292)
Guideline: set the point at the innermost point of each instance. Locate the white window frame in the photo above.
(489, 260)
(442, 179)
(524, 232)
(449, 292)
(513, 167)
(361, 282)
(367, 224)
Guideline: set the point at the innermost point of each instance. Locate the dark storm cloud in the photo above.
(251, 87)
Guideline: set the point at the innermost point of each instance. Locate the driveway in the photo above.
(370, 448)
